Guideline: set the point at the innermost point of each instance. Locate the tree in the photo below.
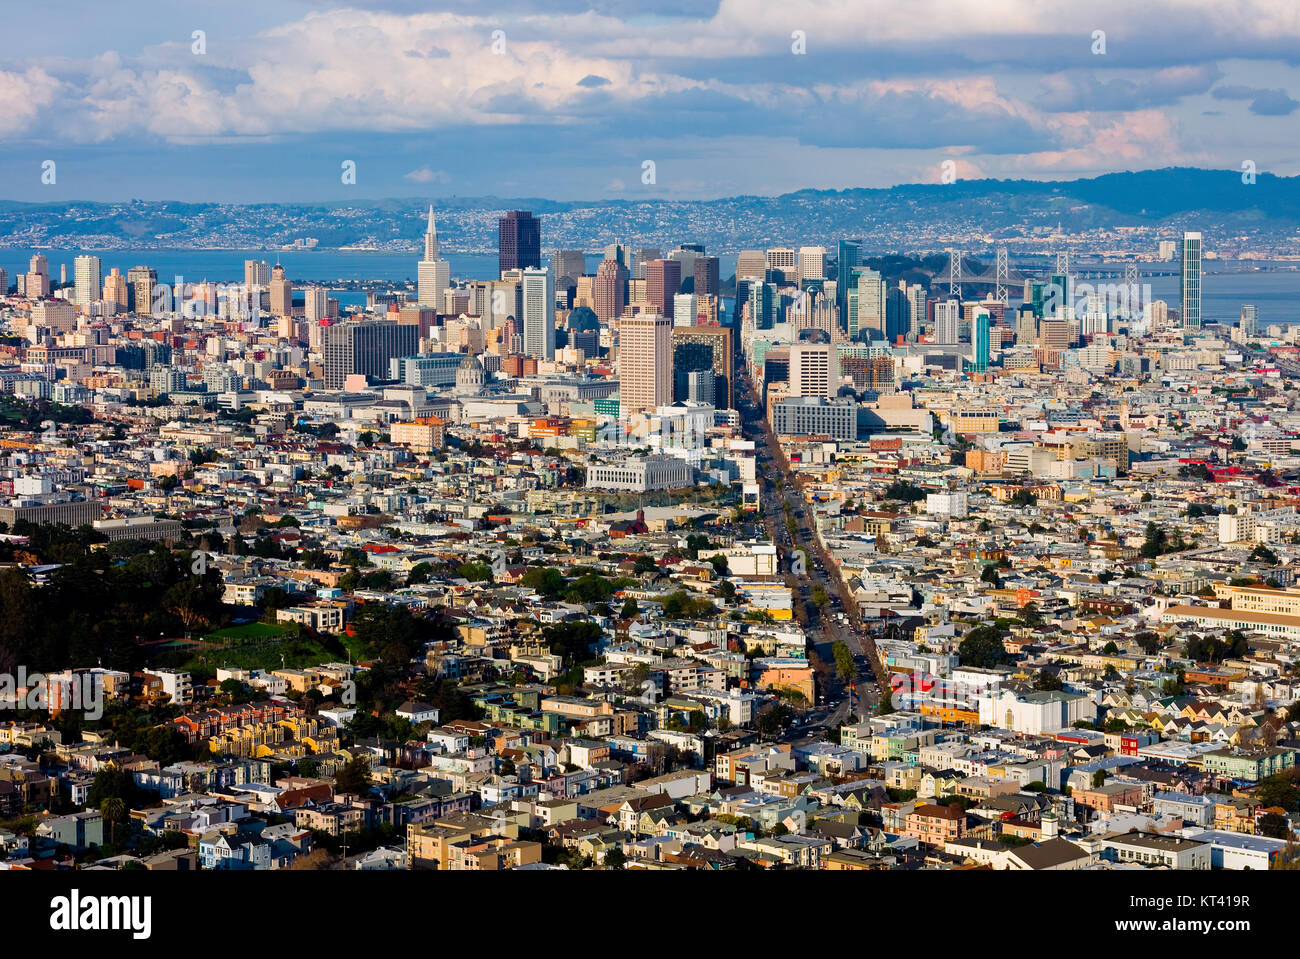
(1098, 778)
(354, 777)
(990, 576)
(1045, 681)
(983, 648)
(114, 811)
(630, 609)
(844, 661)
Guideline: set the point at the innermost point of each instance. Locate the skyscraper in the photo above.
(706, 276)
(1189, 282)
(519, 241)
(115, 290)
(315, 303)
(663, 281)
(751, 264)
(539, 313)
(365, 347)
(870, 301)
(1249, 319)
(850, 255)
(812, 263)
(980, 339)
(814, 369)
(141, 281)
(89, 280)
(764, 303)
(432, 273)
(610, 291)
(570, 263)
(947, 322)
(281, 293)
(645, 362)
(257, 274)
(700, 348)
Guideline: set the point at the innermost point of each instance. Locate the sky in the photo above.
(275, 100)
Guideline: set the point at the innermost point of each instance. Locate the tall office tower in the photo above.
(257, 274)
(40, 264)
(618, 253)
(663, 281)
(814, 369)
(850, 256)
(979, 335)
(897, 312)
(539, 313)
(764, 304)
(685, 309)
(1249, 319)
(89, 280)
(870, 303)
(700, 387)
(1189, 282)
(639, 261)
(1055, 334)
(570, 263)
(781, 265)
(916, 297)
(699, 349)
(1159, 314)
(812, 263)
(4, 283)
(947, 321)
(1026, 326)
(315, 303)
(1166, 250)
(610, 291)
(281, 293)
(707, 282)
(645, 362)
(751, 264)
(432, 273)
(141, 281)
(366, 348)
(115, 290)
(519, 241)
(684, 257)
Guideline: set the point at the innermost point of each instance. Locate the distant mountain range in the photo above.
(974, 214)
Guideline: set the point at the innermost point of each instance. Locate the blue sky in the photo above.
(572, 98)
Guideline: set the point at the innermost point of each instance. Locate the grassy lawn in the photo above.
(264, 646)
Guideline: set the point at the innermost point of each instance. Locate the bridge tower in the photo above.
(1002, 271)
(954, 273)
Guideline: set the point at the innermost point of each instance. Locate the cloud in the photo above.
(1264, 103)
(426, 175)
(591, 80)
(1065, 92)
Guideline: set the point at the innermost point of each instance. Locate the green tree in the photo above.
(982, 647)
(354, 777)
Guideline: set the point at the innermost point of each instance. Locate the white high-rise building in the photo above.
(814, 369)
(783, 259)
(433, 273)
(539, 313)
(812, 263)
(685, 308)
(89, 280)
(315, 301)
(645, 362)
(1189, 282)
(947, 322)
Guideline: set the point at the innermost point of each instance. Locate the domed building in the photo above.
(471, 378)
